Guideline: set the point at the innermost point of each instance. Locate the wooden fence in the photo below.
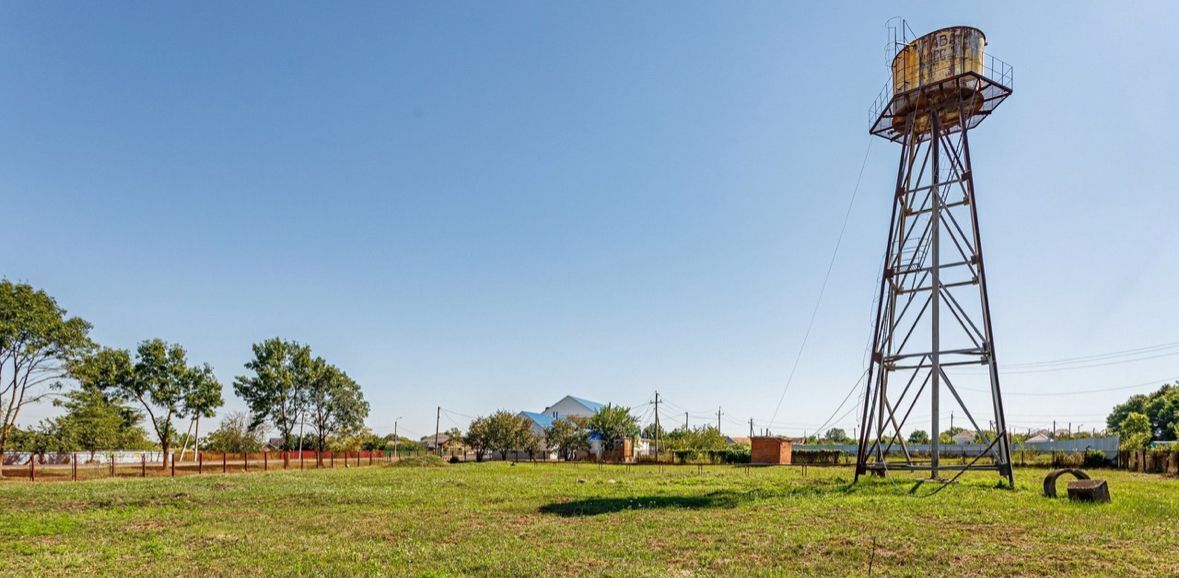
(75, 469)
(1150, 461)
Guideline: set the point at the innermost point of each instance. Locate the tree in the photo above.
(374, 442)
(96, 417)
(350, 441)
(203, 398)
(159, 380)
(613, 424)
(919, 437)
(837, 435)
(568, 437)
(1135, 431)
(37, 344)
(531, 442)
(654, 431)
(1161, 408)
(478, 438)
(273, 393)
(94, 422)
(334, 401)
(236, 434)
(505, 432)
(454, 440)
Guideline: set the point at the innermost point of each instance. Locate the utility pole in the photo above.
(685, 421)
(395, 438)
(750, 427)
(718, 414)
(951, 421)
(437, 423)
(657, 427)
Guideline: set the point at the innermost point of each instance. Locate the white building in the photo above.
(568, 407)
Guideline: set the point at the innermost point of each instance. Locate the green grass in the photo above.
(553, 520)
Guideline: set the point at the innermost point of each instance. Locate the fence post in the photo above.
(245, 462)
(33, 468)
(370, 457)
(143, 465)
(74, 462)
(112, 465)
(224, 463)
(200, 463)
(173, 463)
(300, 459)
(332, 457)
(265, 462)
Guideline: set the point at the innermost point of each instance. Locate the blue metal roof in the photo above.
(543, 420)
(592, 405)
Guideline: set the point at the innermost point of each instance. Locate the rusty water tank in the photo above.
(937, 68)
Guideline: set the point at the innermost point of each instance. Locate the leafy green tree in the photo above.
(375, 442)
(37, 344)
(613, 424)
(349, 441)
(505, 432)
(454, 440)
(701, 439)
(478, 438)
(203, 397)
(96, 418)
(837, 435)
(568, 436)
(275, 392)
(1135, 431)
(94, 422)
(40, 439)
(919, 436)
(531, 442)
(1160, 407)
(236, 434)
(163, 383)
(652, 430)
(335, 403)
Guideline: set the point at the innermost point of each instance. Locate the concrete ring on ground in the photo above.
(1050, 479)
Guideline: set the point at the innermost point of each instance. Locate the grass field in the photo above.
(561, 519)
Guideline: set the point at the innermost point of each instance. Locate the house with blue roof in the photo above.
(565, 408)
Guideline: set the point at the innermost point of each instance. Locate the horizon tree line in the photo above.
(44, 350)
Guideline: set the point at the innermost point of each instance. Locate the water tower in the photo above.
(933, 349)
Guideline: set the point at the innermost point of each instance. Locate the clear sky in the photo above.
(490, 205)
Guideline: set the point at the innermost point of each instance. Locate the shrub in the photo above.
(817, 456)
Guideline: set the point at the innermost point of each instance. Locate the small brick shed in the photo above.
(770, 450)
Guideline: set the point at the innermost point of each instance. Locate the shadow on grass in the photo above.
(596, 506)
(716, 499)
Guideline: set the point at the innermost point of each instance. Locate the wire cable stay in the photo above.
(826, 277)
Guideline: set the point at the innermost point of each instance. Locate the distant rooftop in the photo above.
(592, 405)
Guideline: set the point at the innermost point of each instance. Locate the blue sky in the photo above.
(490, 205)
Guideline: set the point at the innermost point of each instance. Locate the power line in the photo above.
(1077, 392)
(459, 414)
(1091, 365)
(841, 404)
(1097, 356)
(826, 277)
